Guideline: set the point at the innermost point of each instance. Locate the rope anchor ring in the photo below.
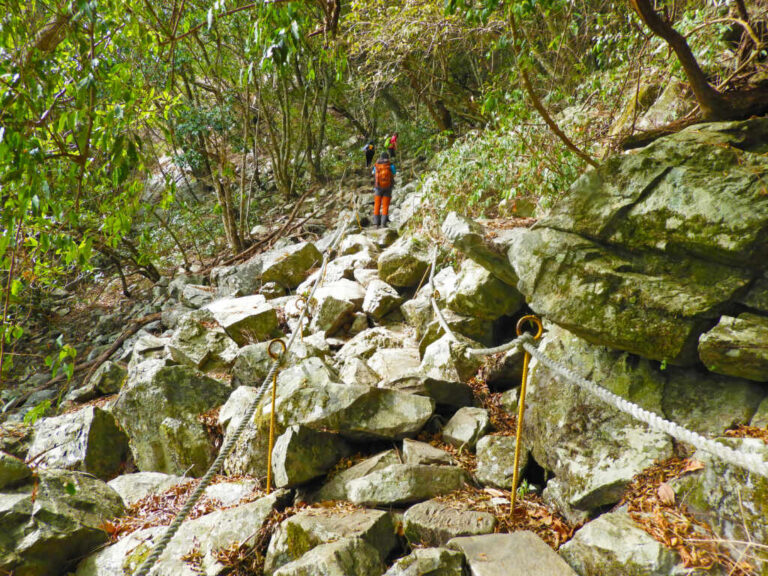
(300, 303)
(276, 355)
(533, 321)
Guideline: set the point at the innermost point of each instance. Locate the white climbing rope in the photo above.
(751, 462)
(232, 439)
(438, 313)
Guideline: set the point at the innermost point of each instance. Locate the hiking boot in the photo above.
(384, 220)
(376, 220)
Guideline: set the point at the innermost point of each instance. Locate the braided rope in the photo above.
(438, 313)
(750, 462)
(229, 445)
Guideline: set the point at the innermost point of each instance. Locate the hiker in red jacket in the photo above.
(392, 145)
(384, 179)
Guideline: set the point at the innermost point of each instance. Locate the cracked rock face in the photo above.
(645, 253)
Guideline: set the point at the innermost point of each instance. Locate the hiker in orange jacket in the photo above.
(384, 179)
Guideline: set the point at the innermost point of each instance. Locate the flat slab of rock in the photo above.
(310, 528)
(135, 487)
(613, 545)
(737, 347)
(405, 484)
(466, 427)
(415, 452)
(443, 392)
(429, 562)
(246, 320)
(517, 554)
(335, 488)
(88, 440)
(435, 523)
(393, 363)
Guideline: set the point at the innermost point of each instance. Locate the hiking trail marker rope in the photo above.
(524, 342)
(232, 439)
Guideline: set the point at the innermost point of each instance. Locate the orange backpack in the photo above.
(383, 175)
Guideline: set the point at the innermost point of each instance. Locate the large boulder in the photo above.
(479, 330)
(405, 483)
(480, 294)
(613, 545)
(245, 320)
(405, 262)
(736, 347)
(645, 253)
(593, 450)
(334, 304)
(288, 266)
(159, 409)
(433, 523)
(518, 554)
(301, 454)
(47, 525)
(88, 440)
(393, 363)
(311, 528)
(380, 299)
(445, 359)
(198, 341)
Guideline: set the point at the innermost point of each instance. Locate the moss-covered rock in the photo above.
(480, 294)
(433, 523)
(737, 347)
(301, 454)
(404, 263)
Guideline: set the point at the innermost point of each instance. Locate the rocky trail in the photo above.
(393, 449)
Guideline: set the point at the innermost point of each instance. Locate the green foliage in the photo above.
(37, 412)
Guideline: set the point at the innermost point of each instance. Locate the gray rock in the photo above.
(393, 363)
(311, 528)
(206, 534)
(380, 299)
(176, 286)
(46, 527)
(496, 460)
(600, 450)
(159, 411)
(482, 295)
(107, 379)
(757, 297)
(357, 371)
(198, 342)
(404, 263)
(469, 237)
(404, 484)
(429, 562)
(246, 320)
(335, 487)
(240, 280)
(613, 545)
(760, 419)
(13, 471)
(359, 324)
(366, 343)
(88, 440)
(354, 243)
(341, 558)
(509, 400)
(479, 330)
(15, 438)
(444, 359)
(231, 493)
(289, 266)
(434, 523)
(301, 454)
(148, 347)
(272, 290)
(364, 277)
(137, 486)
(733, 501)
(253, 362)
(517, 554)
(707, 403)
(466, 427)
(415, 452)
(453, 394)
(197, 296)
(736, 347)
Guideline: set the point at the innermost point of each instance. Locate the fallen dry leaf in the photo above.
(666, 494)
